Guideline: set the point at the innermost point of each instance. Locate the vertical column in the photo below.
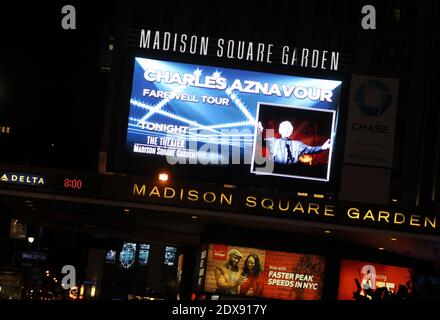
(95, 267)
(155, 267)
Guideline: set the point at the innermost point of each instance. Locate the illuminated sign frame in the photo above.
(284, 204)
(332, 137)
(123, 158)
(221, 48)
(270, 274)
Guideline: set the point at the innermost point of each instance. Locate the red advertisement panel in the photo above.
(253, 272)
(359, 279)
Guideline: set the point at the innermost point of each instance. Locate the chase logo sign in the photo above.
(22, 179)
(373, 98)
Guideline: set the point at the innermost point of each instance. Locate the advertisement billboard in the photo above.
(371, 121)
(359, 280)
(110, 256)
(170, 256)
(269, 124)
(144, 252)
(127, 256)
(250, 272)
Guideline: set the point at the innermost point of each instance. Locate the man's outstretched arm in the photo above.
(305, 149)
(326, 145)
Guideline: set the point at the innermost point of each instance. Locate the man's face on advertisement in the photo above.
(285, 129)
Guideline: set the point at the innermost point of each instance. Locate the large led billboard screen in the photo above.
(270, 124)
(365, 280)
(249, 272)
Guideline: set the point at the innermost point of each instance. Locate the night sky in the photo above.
(51, 91)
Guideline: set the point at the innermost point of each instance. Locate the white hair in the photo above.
(285, 128)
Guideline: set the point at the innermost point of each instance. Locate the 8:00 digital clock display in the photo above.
(73, 183)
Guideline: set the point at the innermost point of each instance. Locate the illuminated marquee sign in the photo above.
(22, 179)
(269, 124)
(284, 205)
(238, 50)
